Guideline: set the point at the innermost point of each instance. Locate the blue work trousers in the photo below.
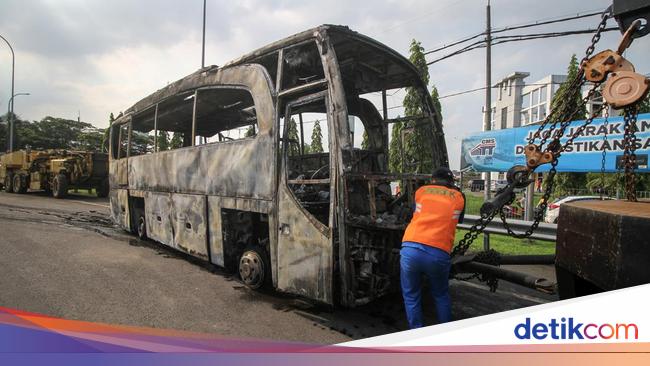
(417, 260)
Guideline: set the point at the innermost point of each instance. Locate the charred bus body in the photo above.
(240, 187)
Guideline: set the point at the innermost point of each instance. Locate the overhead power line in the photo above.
(514, 27)
(493, 87)
(516, 38)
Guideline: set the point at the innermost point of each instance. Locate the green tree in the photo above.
(565, 183)
(176, 141)
(643, 180)
(395, 148)
(316, 139)
(436, 102)
(4, 130)
(294, 140)
(365, 142)
(3, 137)
(644, 105)
(417, 139)
(92, 139)
(615, 182)
(250, 131)
(562, 96)
(163, 140)
(610, 184)
(107, 133)
(141, 143)
(54, 133)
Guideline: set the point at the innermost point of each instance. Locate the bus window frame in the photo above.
(194, 93)
(307, 99)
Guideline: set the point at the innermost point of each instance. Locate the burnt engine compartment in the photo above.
(375, 224)
(375, 218)
(374, 261)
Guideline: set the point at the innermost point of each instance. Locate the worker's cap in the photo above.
(443, 173)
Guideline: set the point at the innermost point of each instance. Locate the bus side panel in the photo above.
(242, 168)
(189, 224)
(118, 172)
(158, 208)
(305, 254)
(215, 230)
(120, 208)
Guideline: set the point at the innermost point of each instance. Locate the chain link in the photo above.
(574, 87)
(561, 118)
(629, 157)
(564, 118)
(491, 257)
(604, 154)
(557, 150)
(557, 115)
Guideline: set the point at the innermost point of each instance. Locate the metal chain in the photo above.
(491, 257)
(472, 234)
(574, 87)
(564, 119)
(582, 127)
(464, 244)
(559, 116)
(539, 214)
(604, 154)
(629, 157)
(557, 150)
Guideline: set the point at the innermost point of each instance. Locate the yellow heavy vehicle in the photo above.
(54, 171)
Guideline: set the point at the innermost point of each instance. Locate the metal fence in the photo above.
(617, 195)
(517, 210)
(544, 232)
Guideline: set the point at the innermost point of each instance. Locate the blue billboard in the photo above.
(499, 150)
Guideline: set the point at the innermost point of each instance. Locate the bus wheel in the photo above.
(254, 268)
(9, 183)
(142, 227)
(60, 186)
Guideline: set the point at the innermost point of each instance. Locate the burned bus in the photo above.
(219, 165)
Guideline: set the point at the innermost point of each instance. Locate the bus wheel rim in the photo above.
(251, 269)
(141, 227)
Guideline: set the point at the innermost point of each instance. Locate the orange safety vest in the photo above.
(437, 211)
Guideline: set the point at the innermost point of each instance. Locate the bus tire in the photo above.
(9, 183)
(141, 228)
(103, 188)
(60, 186)
(254, 267)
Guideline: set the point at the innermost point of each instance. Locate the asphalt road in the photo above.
(65, 258)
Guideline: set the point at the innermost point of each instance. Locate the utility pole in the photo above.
(487, 123)
(203, 42)
(10, 112)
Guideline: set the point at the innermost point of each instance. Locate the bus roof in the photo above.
(336, 33)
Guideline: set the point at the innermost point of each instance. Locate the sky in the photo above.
(94, 57)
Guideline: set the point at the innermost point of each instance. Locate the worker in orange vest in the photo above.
(426, 245)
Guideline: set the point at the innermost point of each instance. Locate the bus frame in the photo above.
(235, 203)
